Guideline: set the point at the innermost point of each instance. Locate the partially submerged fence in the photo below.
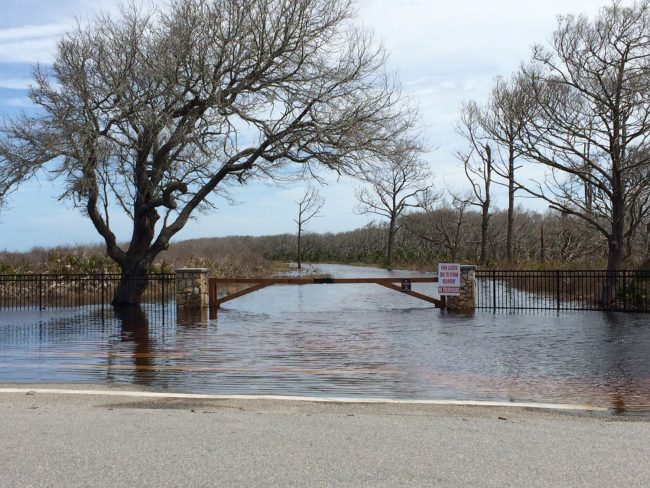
(495, 290)
(48, 291)
(559, 290)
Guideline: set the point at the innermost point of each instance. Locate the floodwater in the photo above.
(341, 341)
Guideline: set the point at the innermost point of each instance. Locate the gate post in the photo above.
(466, 302)
(192, 289)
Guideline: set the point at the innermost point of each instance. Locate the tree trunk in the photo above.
(485, 218)
(133, 281)
(610, 284)
(391, 243)
(136, 262)
(299, 248)
(614, 250)
(511, 205)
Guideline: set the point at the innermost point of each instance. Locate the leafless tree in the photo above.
(11, 175)
(445, 227)
(396, 184)
(478, 164)
(591, 123)
(309, 206)
(158, 111)
(503, 119)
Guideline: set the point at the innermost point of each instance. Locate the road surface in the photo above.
(54, 439)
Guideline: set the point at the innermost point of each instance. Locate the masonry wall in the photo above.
(466, 302)
(192, 289)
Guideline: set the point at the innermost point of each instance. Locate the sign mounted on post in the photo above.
(449, 279)
(406, 286)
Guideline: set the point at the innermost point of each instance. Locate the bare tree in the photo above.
(309, 206)
(445, 226)
(502, 120)
(591, 123)
(478, 164)
(11, 175)
(394, 185)
(156, 112)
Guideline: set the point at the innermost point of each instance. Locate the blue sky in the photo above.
(444, 53)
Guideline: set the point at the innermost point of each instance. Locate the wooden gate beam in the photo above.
(323, 281)
(259, 283)
(240, 293)
(414, 294)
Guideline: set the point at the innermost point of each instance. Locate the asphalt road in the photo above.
(85, 440)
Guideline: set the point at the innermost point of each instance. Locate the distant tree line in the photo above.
(448, 232)
(452, 232)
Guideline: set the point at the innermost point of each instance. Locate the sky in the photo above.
(444, 53)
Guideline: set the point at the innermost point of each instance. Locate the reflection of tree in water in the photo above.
(135, 328)
(625, 390)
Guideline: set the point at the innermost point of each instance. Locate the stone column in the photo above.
(466, 302)
(192, 289)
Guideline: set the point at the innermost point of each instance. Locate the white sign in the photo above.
(449, 279)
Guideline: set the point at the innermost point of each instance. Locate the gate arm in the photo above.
(240, 293)
(414, 294)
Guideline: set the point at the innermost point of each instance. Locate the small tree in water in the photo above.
(309, 206)
(154, 113)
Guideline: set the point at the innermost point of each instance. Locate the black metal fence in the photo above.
(564, 290)
(496, 290)
(49, 291)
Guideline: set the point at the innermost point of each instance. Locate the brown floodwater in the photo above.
(340, 341)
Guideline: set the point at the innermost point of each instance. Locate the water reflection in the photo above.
(134, 328)
(340, 340)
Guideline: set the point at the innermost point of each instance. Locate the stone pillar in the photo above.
(466, 302)
(192, 289)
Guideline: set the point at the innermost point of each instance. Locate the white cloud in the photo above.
(30, 43)
(15, 83)
(31, 32)
(18, 102)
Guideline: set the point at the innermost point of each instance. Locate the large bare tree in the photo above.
(478, 165)
(309, 206)
(503, 119)
(157, 111)
(394, 185)
(591, 121)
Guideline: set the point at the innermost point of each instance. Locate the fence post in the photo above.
(494, 290)
(40, 292)
(557, 288)
(163, 283)
(102, 285)
(624, 291)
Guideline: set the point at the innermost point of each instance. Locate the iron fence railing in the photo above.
(53, 291)
(625, 290)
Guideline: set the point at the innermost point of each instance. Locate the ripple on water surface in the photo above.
(340, 340)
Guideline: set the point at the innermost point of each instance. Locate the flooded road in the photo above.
(341, 341)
